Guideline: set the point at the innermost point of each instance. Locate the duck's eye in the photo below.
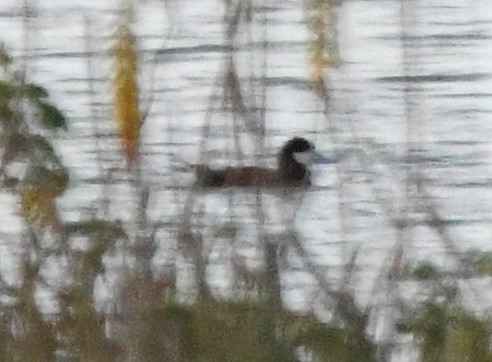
(304, 158)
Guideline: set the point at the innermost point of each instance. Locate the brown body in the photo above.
(289, 173)
(249, 176)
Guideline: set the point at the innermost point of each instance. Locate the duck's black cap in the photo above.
(297, 144)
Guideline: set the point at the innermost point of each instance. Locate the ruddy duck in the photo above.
(294, 160)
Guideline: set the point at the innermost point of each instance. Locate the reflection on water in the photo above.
(411, 96)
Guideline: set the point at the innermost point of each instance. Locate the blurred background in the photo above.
(108, 249)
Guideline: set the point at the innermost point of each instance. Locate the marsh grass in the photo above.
(148, 319)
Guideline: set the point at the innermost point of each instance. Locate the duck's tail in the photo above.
(206, 177)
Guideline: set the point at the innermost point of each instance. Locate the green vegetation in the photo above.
(148, 318)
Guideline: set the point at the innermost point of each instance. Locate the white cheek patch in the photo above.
(305, 158)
